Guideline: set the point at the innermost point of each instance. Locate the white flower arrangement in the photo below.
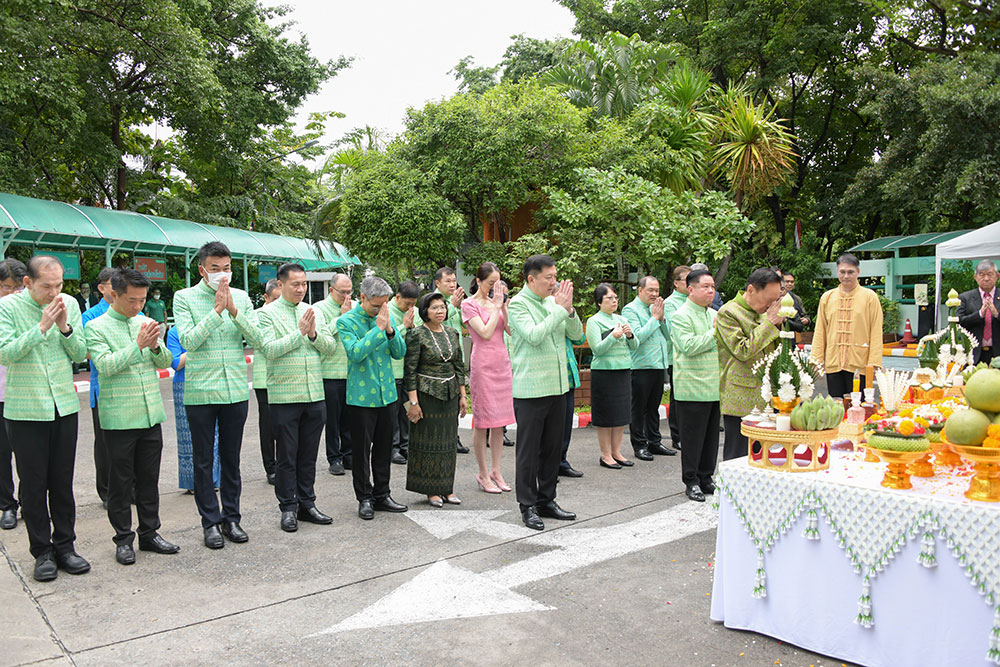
(953, 344)
(787, 373)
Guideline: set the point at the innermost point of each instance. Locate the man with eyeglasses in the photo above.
(338, 431)
(978, 311)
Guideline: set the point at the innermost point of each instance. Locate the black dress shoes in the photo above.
(233, 531)
(613, 466)
(213, 537)
(45, 567)
(708, 488)
(313, 515)
(366, 509)
(553, 511)
(660, 450)
(9, 519)
(398, 458)
(156, 544)
(694, 493)
(531, 519)
(676, 445)
(125, 554)
(569, 471)
(387, 504)
(289, 523)
(347, 464)
(643, 454)
(625, 463)
(461, 449)
(337, 468)
(507, 442)
(271, 477)
(72, 562)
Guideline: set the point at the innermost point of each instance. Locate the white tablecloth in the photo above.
(835, 563)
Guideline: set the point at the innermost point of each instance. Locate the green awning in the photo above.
(890, 243)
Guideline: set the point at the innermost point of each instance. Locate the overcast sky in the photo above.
(403, 49)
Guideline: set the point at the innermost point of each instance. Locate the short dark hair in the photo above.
(13, 269)
(408, 290)
(122, 279)
(695, 276)
(848, 258)
(425, 304)
(777, 270)
(213, 249)
(536, 263)
(442, 272)
(602, 290)
(105, 275)
(39, 262)
(287, 268)
(787, 274)
(680, 271)
(642, 282)
(761, 278)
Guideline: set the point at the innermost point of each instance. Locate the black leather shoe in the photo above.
(125, 554)
(347, 463)
(213, 537)
(398, 458)
(45, 567)
(313, 515)
(461, 449)
(569, 471)
(676, 445)
(156, 544)
(531, 519)
(366, 510)
(694, 493)
(289, 523)
(387, 504)
(337, 468)
(507, 442)
(708, 488)
(613, 466)
(233, 531)
(552, 510)
(72, 562)
(625, 463)
(9, 519)
(660, 450)
(643, 454)
(271, 478)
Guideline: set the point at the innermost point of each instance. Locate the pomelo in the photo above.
(982, 391)
(966, 427)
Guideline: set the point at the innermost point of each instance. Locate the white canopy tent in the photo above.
(983, 243)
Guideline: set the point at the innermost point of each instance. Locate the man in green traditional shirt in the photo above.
(40, 337)
(212, 321)
(127, 350)
(265, 428)
(403, 315)
(156, 310)
(670, 306)
(540, 323)
(338, 424)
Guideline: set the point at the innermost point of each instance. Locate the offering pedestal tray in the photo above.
(985, 485)
(776, 450)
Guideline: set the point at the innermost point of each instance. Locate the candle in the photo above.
(784, 422)
(857, 383)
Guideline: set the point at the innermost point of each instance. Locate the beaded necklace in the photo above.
(447, 338)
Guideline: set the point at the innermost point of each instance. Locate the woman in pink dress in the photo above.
(490, 377)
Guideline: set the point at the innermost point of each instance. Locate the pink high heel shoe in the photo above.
(498, 480)
(486, 484)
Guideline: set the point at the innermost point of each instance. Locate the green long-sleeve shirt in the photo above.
(294, 363)
(539, 329)
(259, 368)
(651, 334)
(216, 366)
(130, 386)
(39, 366)
(396, 315)
(673, 302)
(744, 337)
(334, 365)
(696, 357)
(610, 353)
(370, 381)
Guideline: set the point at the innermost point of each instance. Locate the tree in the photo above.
(472, 79)
(528, 57)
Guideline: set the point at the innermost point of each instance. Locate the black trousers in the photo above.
(135, 463)
(102, 464)
(567, 427)
(986, 354)
(401, 427)
(672, 421)
(45, 453)
(839, 384)
(297, 427)
(371, 438)
(338, 422)
(7, 500)
(647, 391)
(735, 444)
(230, 418)
(268, 445)
(540, 424)
(699, 423)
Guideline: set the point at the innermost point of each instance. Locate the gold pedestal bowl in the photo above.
(923, 467)
(985, 484)
(943, 454)
(897, 473)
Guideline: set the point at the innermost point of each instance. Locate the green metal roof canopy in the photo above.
(27, 221)
(890, 243)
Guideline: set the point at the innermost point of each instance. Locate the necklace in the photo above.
(447, 339)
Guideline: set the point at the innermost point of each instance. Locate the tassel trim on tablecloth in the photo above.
(760, 579)
(993, 655)
(864, 617)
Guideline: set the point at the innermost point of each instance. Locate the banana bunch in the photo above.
(818, 414)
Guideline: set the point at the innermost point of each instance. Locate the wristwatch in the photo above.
(67, 333)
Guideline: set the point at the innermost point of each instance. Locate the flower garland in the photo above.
(953, 344)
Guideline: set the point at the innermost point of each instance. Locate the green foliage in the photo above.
(472, 79)
(527, 57)
(890, 314)
(491, 251)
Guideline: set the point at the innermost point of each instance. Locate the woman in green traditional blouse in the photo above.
(433, 376)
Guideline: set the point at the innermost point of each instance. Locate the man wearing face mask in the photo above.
(156, 310)
(295, 338)
(212, 320)
(102, 466)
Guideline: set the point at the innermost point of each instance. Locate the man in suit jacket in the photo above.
(978, 311)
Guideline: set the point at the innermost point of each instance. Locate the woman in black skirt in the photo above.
(611, 341)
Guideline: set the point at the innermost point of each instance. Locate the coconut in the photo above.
(967, 427)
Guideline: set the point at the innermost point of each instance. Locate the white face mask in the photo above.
(215, 279)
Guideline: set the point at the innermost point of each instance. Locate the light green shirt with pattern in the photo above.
(696, 355)
(396, 315)
(259, 369)
(652, 335)
(130, 385)
(538, 331)
(216, 365)
(294, 363)
(676, 299)
(610, 353)
(334, 365)
(39, 366)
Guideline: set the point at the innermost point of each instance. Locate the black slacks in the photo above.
(7, 500)
(567, 427)
(371, 438)
(230, 418)
(647, 391)
(540, 424)
(735, 444)
(839, 384)
(699, 423)
(297, 427)
(986, 354)
(102, 464)
(45, 453)
(135, 463)
(672, 421)
(338, 422)
(401, 426)
(268, 445)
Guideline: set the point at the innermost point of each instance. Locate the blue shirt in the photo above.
(173, 343)
(91, 313)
